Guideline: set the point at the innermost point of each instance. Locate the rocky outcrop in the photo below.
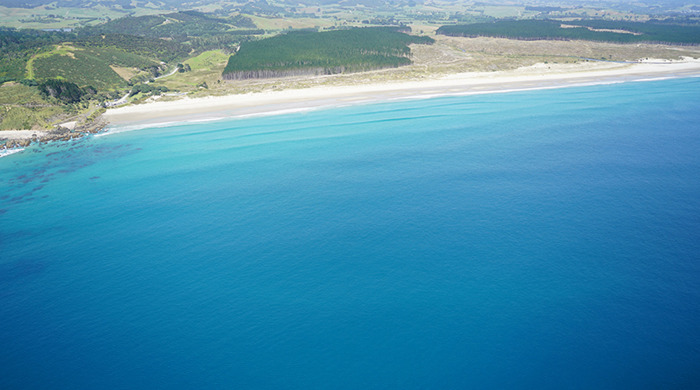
(11, 140)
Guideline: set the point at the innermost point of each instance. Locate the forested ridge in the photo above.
(16, 47)
(328, 52)
(165, 38)
(59, 73)
(83, 59)
(177, 25)
(591, 30)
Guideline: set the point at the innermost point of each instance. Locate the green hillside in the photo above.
(89, 66)
(24, 107)
(178, 25)
(160, 49)
(17, 46)
(23, 51)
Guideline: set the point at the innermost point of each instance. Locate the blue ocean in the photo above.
(542, 239)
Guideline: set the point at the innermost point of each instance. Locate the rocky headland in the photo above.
(13, 139)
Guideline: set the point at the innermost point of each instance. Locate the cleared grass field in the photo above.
(503, 12)
(64, 17)
(205, 68)
(286, 23)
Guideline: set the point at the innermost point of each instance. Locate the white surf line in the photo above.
(416, 95)
(7, 152)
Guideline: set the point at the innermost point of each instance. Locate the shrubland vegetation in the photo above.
(24, 107)
(84, 60)
(147, 88)
(90, 66)
(17, 46)
(178, 25)
(158, 49)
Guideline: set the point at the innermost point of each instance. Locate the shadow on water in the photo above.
(27, 177)
(19, 271)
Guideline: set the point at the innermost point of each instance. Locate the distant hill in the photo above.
(125, 4)
(110, 55)
(591, 30)
(88, 60)
(175, 4)
(350, 3)
(173, 25)
(103, 68)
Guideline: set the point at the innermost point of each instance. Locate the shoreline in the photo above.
(213, 108)
(539, 76)
(12, 141)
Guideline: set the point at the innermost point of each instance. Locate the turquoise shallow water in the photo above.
(542, 239)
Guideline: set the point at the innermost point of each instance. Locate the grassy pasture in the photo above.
(64, 17)
(503, 12)
(270, 23)
(205, 68)
(208, 60)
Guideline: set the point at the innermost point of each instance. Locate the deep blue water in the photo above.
(543, 239)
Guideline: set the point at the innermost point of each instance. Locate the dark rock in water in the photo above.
(56, 134)
(18, 270)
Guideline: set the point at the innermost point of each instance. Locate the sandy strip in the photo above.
(21, 134)
(538, 76)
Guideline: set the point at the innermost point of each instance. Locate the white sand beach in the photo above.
(22, 134)
(539, 76)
